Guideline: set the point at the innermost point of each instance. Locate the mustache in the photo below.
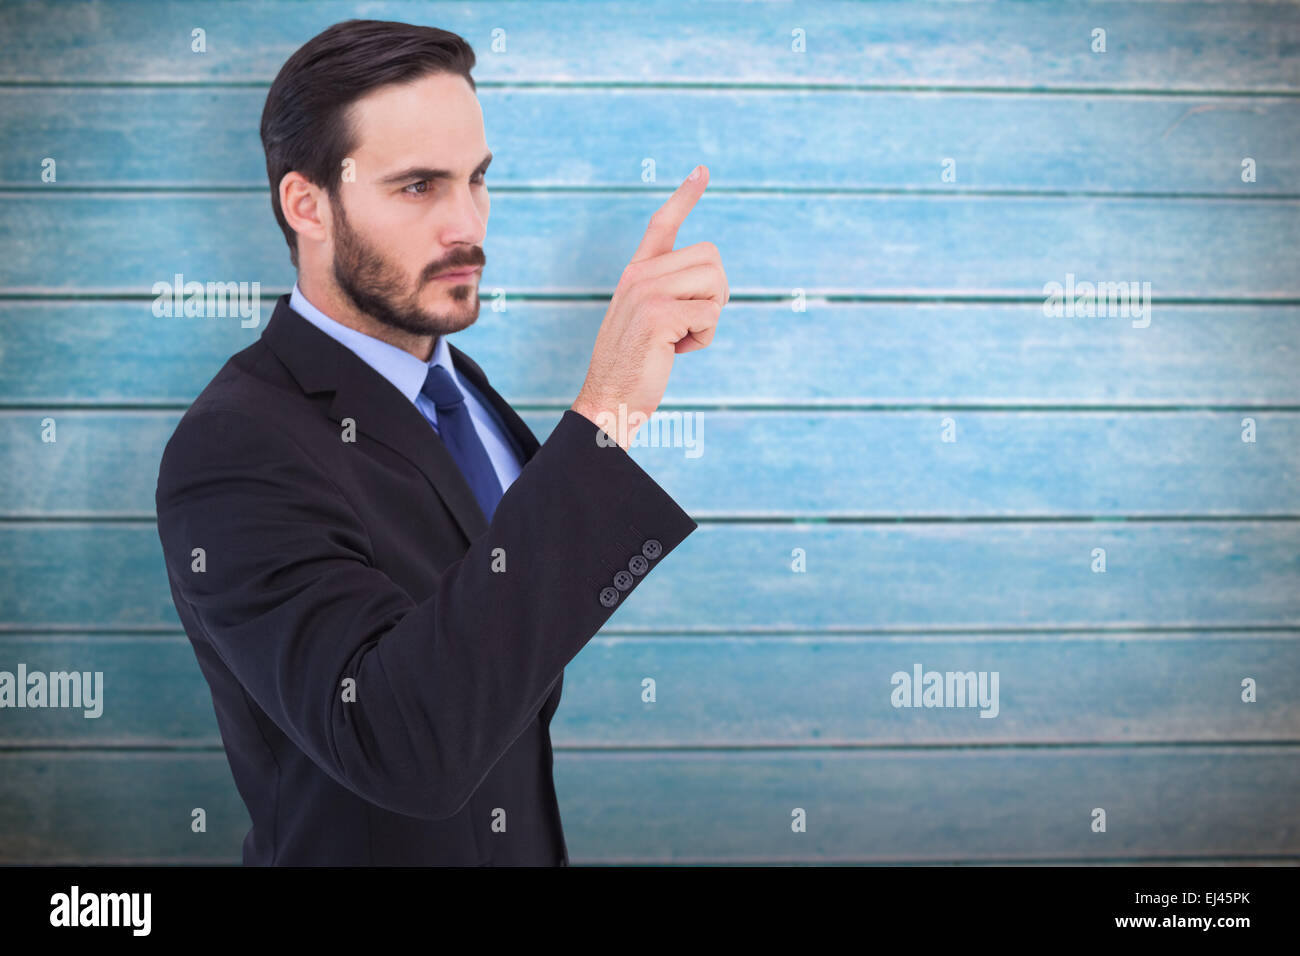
(434, 269)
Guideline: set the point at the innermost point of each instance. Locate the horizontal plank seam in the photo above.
(126, 189)
(660, 750)
(95, 630)
(913, 861)
(164, 83)
(234, 861)
(814, 297)
(146, 408)
(956, 192)
(140, 518)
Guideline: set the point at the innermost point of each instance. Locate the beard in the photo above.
(367, 279)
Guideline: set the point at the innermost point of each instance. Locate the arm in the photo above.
(291, 603)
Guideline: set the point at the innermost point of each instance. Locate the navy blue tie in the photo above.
(461, 438)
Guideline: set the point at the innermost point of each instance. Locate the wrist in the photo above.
(600, 418)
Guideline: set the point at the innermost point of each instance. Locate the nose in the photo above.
(463, 224)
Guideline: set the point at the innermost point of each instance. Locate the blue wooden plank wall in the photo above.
(898, 459)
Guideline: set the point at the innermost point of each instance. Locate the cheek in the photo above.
(413, 265)
(400, 256)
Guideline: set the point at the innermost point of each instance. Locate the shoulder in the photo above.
(247, 415)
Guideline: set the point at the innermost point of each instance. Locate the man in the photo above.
(381, 570)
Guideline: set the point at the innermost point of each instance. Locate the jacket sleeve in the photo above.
(291, 602)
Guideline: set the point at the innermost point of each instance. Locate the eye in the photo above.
(411, 190)
(478, 179)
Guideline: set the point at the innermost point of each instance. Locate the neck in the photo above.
(327, 297)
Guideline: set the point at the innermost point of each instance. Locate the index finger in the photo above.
(662, 231)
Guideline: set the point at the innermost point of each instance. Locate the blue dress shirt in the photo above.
(407, 374)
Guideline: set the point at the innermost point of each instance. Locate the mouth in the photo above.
(460, 275)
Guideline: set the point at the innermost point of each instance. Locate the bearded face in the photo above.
(423, 305)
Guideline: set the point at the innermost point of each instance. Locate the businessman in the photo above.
(382, 572)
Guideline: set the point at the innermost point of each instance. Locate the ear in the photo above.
(306, 208)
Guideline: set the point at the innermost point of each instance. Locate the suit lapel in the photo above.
(320, 364)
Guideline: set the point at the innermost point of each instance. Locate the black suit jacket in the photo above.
(384, 663)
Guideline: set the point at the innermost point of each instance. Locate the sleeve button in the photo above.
(652, 548)
(623, 581)
(608, 597)
(638, 565)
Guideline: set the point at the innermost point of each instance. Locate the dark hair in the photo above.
(304, 122)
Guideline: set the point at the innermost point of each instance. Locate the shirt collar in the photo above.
(406, 372)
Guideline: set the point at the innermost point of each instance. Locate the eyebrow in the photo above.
(419, 173)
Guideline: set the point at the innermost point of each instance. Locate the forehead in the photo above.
(433, 120)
